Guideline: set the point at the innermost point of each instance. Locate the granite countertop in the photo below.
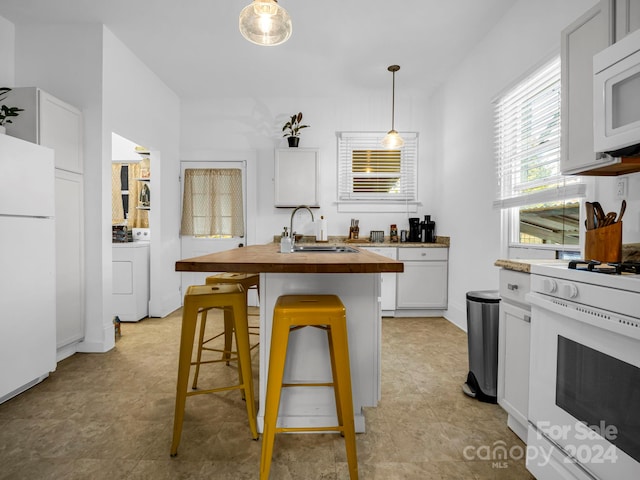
(441, 242)
(630, 252)
(267, 258)
(524, 265)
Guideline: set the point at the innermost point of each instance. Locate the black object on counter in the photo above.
(428, 230)
(414, 230)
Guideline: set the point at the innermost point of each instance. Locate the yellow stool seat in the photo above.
(247, 280)
(202, 297)
(321, 311)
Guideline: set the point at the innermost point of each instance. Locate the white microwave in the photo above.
(616, 98)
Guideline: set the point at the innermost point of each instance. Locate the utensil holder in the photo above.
(604, 244)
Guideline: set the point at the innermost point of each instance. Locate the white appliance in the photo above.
(27, 265)
(130, 281)
(584, 390)
(616, 98)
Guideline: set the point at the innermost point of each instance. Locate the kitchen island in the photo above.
(355, 278)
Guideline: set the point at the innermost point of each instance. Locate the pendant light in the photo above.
(264, 22)
(393, 139)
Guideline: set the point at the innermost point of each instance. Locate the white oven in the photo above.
(616, 98)
(584, 390)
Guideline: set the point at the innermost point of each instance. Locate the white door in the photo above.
(194, 247)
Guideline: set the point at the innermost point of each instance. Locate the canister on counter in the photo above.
(403, 235)
(393, 233)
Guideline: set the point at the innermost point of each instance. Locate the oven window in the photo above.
(600, 391)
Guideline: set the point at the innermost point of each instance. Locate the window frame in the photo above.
(510, 195)
(349, 201)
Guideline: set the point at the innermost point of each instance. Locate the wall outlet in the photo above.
(621, 187)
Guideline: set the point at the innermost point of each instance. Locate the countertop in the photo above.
(267, 258)
(441, 242)
(630, 252)
(524, 265)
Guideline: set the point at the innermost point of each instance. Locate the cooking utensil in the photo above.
(609, 219)
(589, 222)
(599, 213)
(623, 207)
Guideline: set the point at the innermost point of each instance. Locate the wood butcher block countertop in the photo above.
(268, 259)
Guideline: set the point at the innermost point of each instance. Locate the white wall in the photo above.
(88, 67)
(527, 35)
(256, 123)
(140, 107)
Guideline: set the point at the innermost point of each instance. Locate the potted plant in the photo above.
(292, 129)
(6, 112)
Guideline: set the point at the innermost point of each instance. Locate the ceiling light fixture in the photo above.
(264, 22)
(393, 139)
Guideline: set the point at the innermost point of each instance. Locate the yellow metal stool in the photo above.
(247, 280)
(292, 312)
(200, 297)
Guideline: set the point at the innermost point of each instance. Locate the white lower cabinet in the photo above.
(388, 288)
(423, 284)
(513, 350)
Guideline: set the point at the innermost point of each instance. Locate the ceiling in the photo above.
(337, 47)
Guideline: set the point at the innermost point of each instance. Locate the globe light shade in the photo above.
(392, 140)
(264, 22)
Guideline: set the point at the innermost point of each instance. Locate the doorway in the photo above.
(193, 246)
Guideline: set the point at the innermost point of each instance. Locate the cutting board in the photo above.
(604, 244)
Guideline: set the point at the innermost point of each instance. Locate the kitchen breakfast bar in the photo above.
(355, 278)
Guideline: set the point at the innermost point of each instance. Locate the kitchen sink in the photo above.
(324, 248)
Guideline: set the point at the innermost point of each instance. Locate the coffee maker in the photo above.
(414, 230)
(427, 230)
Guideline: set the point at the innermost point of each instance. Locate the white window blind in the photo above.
(367, 172)
(527, 142)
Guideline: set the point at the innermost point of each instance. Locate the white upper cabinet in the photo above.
(296, 177)
(627, 17)
(588, 35)
(50, 122)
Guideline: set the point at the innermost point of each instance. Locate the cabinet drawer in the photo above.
(389, 252)
(514, 285)
(422, 253)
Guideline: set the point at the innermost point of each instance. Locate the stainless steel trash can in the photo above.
(483, 311)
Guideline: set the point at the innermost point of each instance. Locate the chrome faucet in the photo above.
(293, 234)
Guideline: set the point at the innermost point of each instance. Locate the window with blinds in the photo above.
(367, 172)
(527, 143)
(544, 205)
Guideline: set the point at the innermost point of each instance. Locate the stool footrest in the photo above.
(307, 384)
(215, 390)
(308, 429)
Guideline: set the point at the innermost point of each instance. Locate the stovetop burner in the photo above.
(610, 268)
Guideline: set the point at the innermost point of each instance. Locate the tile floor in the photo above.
(110, 416)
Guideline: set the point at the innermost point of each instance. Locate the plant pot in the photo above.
(3, 129)
(293, 141)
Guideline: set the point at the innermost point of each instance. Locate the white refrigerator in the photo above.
(27, 265)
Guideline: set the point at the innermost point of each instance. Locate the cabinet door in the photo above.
(296, 177)
(581, 40)
(69, 258)
(513, 361)
(61, 129)
(388, 289)
(422, 285)
(627, 17)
